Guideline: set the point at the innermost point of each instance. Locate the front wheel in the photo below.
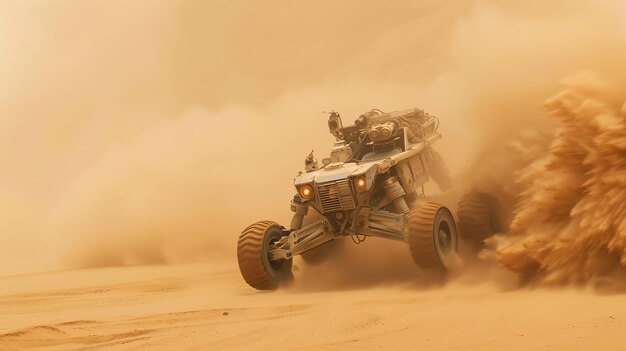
(254, 257)
(433, 237)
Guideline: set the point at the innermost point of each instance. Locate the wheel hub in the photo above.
(444, 240)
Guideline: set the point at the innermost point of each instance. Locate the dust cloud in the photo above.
(569, 225)
(142, 133)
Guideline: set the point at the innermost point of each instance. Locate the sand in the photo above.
(207, 306)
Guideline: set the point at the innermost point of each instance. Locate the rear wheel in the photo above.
(479, 217)
(254, 258)
(433, 237)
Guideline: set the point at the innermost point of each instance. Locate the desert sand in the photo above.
(207, 306)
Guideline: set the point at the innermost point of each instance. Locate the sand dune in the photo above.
(208, 307)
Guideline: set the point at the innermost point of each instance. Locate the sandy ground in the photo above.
(208, 307)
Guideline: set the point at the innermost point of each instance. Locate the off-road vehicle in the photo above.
(372, 185)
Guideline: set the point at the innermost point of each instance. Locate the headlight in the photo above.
(381, 132)
(360, 183)
(374, 135)
(306, 192)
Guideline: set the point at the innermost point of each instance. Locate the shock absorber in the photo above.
(300, 210)
(396, 193)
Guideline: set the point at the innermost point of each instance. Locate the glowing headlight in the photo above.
(360, 183)
(306, 192)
